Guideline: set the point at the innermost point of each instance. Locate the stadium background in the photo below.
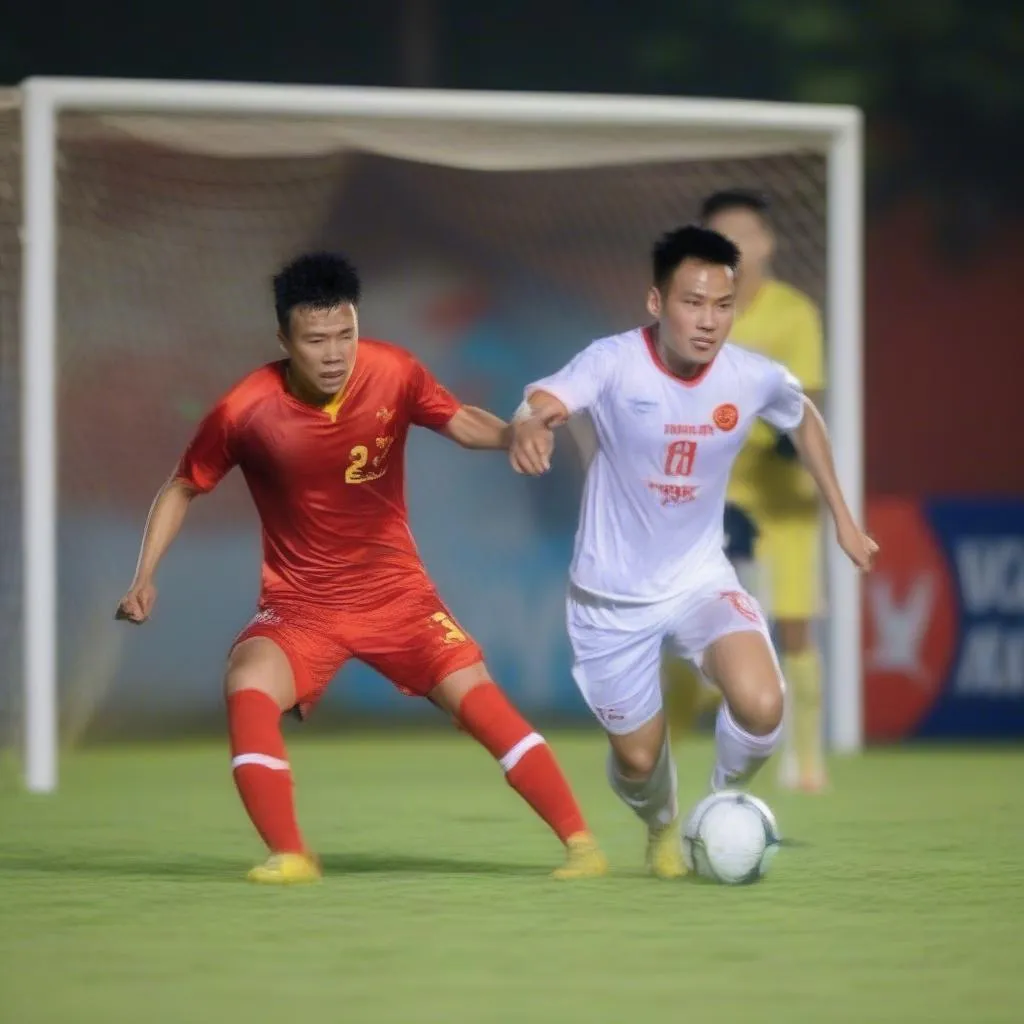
(945, 251)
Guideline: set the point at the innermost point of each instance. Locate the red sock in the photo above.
(263, 776)
(530, 767)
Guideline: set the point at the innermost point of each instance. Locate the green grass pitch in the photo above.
(122, 899)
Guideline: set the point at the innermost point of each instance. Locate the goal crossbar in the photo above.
(473, 130)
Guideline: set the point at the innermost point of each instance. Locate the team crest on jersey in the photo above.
(742, 603)
(726, 416)
(385, 415)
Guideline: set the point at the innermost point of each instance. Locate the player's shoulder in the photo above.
(618, 347)
(386, 358)
(748, 363)
(786, 299)
(264, 383)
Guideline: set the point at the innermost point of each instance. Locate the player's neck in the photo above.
(682, 368)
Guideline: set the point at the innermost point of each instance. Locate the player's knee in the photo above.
(760, 712)
(259, 664)
(637, 763)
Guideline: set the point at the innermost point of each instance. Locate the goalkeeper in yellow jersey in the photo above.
(772, 495)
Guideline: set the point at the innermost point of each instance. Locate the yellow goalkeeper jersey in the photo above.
(783, 324)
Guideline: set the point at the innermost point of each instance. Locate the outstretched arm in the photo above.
(476, 428)
(810, 438)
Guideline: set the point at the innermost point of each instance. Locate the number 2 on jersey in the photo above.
(679, 456)
(354, 472)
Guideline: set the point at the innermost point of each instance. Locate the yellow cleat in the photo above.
(583, 858)
(286, 869)
(665, 851)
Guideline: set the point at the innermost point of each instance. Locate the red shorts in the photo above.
(406, 634)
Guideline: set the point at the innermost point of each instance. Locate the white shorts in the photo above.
(617, 647)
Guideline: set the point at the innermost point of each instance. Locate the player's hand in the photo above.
(859, 547)
(532, 444)
(137, 604)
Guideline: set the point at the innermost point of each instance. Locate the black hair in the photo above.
(691, 243)
(318, 280)
(736, 199)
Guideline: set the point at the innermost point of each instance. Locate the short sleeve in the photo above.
(580, 383)
(210, 454)
(430, 403)
(806, 347)
(784, 401)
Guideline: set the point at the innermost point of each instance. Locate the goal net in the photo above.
(493, 250)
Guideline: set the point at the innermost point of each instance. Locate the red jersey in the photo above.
(328, 483)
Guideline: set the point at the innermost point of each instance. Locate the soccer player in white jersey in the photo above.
(672, 405)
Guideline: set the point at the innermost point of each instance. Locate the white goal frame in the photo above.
(833, 131)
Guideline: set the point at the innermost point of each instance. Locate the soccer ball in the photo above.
(730, 837)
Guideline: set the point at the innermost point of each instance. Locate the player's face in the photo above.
(695, 311)
(321, 345)
(750, 234)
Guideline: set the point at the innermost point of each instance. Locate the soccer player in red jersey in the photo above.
(320, 439)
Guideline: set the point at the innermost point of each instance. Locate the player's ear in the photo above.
(654, 302)
(282, 339)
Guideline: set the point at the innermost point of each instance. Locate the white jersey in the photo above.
(654, 499)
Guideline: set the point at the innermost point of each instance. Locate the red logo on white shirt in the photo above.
(673, 494)
(742, 602)
(726, 416)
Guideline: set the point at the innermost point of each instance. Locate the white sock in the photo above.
(739, 753)
(788, 768)
(654, 798)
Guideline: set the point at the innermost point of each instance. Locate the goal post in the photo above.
(475, 131)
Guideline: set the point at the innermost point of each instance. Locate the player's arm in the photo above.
(163, 524)
(805, 359)
(206, 460)
(549, 403)
(532, 440)
(810, 438)
(471, 427)
(782, 443)
(432, 405)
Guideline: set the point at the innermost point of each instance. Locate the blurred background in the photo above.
(167, 248)
(897, 897)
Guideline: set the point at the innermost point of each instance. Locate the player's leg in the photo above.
(616, 667)
(413, 640)
(642, 773)
(687, 694)
(749, 724)
(272, 666)
(483, 711)
(792, 547)
(728, 636)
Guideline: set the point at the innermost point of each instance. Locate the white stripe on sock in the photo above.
(515, 755)
(265, 760)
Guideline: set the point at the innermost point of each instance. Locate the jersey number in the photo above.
(358, 455)
(356, 471)
(679, 456)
